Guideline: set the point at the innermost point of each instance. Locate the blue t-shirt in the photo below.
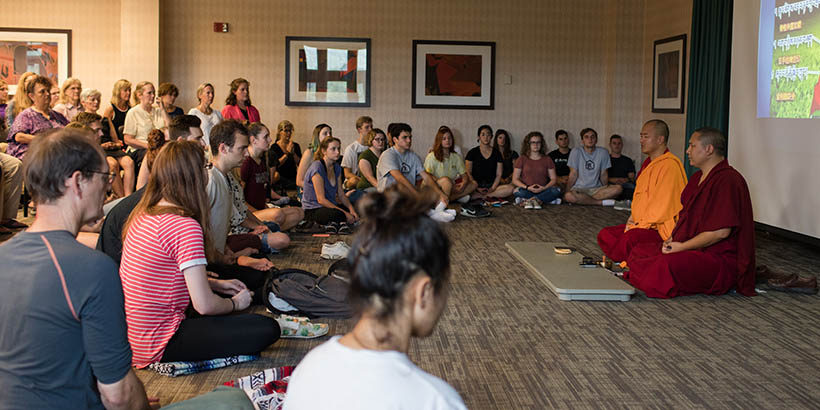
(309, 200)
(49, 359)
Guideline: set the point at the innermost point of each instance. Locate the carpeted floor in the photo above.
(506, 342)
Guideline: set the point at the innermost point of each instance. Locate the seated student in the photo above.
(503, 145)
(560, 156)
(622, 171)
(283, 157)
(350, 158)
(64, 338)
(323, 198)
(588, 174)
(320, 133)
(229, 147)
(656, 203)
(399, 165)
(111, 143)
(254, 174)
(376, 142)
(396, 302)
(485, 165)
(712, 248)
(534, 174)
(165, 248)
(447, 168)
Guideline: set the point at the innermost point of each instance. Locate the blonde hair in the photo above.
(201, 89)
(68, 83)
(138, 92)
(281, 127)
(21, 100)
(120, 85)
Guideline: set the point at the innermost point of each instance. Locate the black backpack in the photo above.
(314, 295)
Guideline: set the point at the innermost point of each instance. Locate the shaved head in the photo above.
(660, 128)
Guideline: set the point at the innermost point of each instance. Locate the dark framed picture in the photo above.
(454, 74)
(327, 71)
(668, 75)
(46, 52)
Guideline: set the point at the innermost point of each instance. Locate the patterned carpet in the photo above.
(506, 342)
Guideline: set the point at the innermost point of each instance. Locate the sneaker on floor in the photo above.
(518, 200)
(344, 229)
(475, 212)
(335, 251)
(332, 228)
(440, 216)
(300, 327)
(623, 205)
(536, 203)
(556, 201)
(529, 204)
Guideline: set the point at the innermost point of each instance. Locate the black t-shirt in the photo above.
(110, 239)
(484, 168)
(507, 166)
(287, 169)
(560, 160)
(621, 167)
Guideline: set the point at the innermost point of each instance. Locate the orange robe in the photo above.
(655, 207)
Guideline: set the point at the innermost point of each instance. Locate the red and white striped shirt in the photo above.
(156, 251)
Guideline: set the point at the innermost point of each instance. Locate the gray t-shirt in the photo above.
(350, 159)
(48, 358)
(222, 207)
(409, 163)
(589, 166)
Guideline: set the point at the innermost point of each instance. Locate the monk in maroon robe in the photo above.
(711, 250)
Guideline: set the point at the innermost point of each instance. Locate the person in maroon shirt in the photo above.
(255, 177)
(712, 248)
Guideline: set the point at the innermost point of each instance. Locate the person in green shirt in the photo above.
(447, 167)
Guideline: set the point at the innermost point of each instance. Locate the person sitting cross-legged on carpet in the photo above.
(534, 174)
(163, 271)
(401, 270)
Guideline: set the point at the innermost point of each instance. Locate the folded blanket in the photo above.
(267, 388)
(174, 369)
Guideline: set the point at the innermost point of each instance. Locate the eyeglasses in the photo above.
(111, 175)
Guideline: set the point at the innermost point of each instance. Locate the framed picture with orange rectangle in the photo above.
(327, 71)
(46, 52)
(453, 74)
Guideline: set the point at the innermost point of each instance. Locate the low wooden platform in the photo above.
(563, 275)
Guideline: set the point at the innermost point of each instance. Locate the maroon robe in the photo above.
(721, 201)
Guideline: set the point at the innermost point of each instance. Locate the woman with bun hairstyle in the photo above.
(400, 273)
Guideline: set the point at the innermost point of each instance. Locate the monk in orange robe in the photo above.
(656, 202)
(711, 249)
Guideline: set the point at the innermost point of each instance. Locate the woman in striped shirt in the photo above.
(163, 271)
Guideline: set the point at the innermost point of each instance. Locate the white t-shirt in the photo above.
(208, 122)
(350, 159)
(334, 376)
(139, 122)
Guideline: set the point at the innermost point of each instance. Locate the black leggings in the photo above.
(323, 216)
(213, 337)
(252, 278)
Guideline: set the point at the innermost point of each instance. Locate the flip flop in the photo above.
(295, 327)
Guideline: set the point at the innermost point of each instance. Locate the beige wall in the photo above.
(666, 18)
(573, 63)
(111, 39)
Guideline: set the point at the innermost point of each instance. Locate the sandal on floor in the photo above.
(295, 327)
